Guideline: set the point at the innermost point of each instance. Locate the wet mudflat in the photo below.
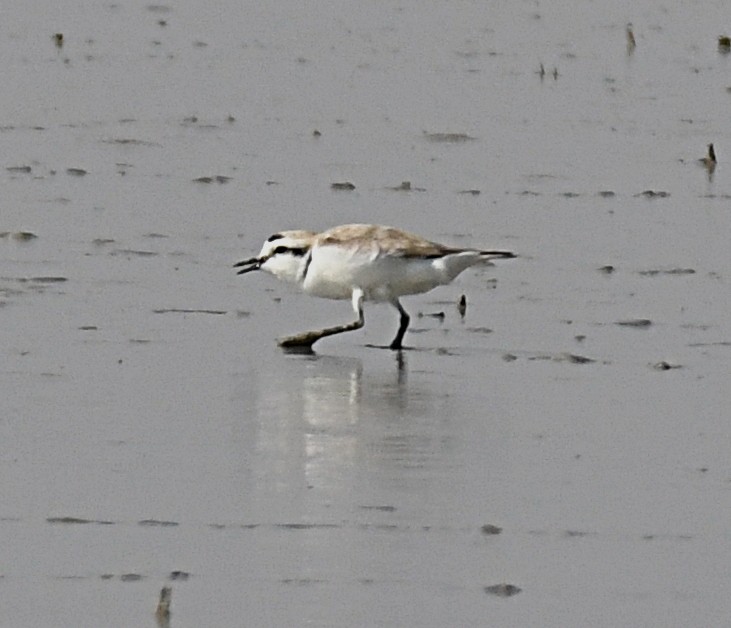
(557, 456)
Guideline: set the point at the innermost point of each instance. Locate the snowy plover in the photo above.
(361, 263)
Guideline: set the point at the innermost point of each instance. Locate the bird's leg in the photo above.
(306, 339)
(403, 325)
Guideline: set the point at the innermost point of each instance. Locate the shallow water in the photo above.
(152, 432)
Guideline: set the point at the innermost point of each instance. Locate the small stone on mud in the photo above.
(665, 366)
(343, 186)
(48, 279)
(503, 590)
(575, 359)
(219, 178)
(157, 522)
(21, 236)
(450, 138)
(67, 520)
(490, 529)
(635, 322)
(671, 271)
(653, 194)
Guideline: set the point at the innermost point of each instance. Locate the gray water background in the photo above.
(350, 488)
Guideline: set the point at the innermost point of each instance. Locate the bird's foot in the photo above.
(300, 343)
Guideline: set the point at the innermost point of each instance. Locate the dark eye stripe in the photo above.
(276, 236)
(297, 252)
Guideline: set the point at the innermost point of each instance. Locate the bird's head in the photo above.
(283, 255)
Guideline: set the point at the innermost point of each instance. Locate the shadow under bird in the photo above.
(362, 263)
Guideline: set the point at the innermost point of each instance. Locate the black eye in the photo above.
(280, 249)
(276, 236)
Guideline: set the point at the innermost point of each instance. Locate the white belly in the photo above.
(334, 272)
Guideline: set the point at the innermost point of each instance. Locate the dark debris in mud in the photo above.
(133, 253)
(177, 310)
(20, 236)
(638, 323)
(503, 590)
(449, 138)
(653, 194)
(380, 508)
(218, 178)
(343, 186)
(479, 330)
(490, 530)
(76, 521)
(129, 141)
(570, 358)
(665, 366)
(654, 272)
(576, 534)
(406, 187)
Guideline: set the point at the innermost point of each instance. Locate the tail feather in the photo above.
(497, 254)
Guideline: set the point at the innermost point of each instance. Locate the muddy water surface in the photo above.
(556, 457)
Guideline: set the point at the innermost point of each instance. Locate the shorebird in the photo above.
(361, 263)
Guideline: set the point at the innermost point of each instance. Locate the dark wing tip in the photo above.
(499, 254)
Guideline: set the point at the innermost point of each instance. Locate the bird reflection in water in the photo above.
(336, 398)
(331, 423)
